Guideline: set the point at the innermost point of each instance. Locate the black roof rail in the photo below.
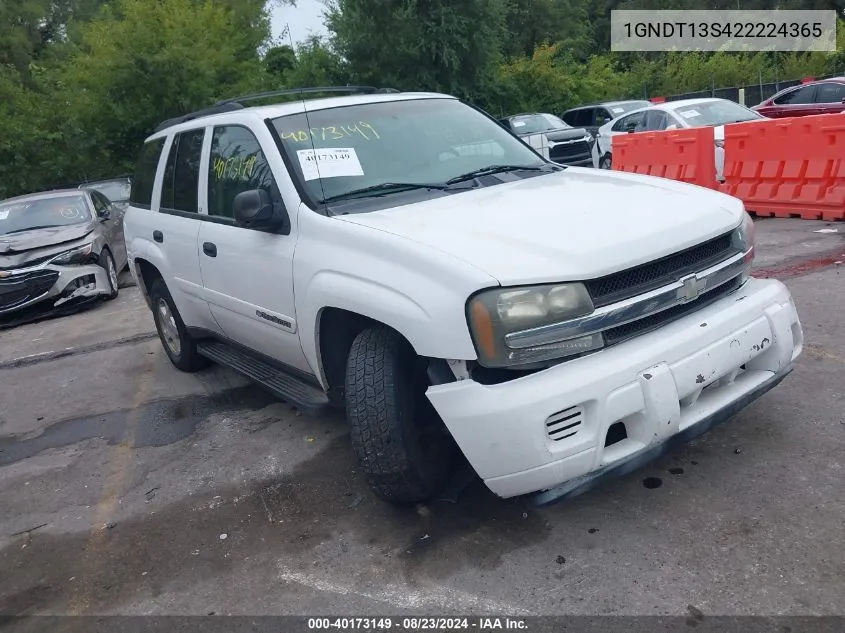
(237, 103)
(217, 108)
(310, 90)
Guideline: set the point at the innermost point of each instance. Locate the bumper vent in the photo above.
(564, 423)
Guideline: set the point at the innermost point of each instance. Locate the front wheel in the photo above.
(404, 449)
(606, 162)
(178, 344)
(107, 263)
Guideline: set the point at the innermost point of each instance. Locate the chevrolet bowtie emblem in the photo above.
(691, 288)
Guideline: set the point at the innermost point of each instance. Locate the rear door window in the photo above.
(830, 93)
(180, 184)
(656, 120)
(584, 118)
(141, 194)
(796, 97)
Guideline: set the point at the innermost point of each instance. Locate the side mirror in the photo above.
(104, 215)
(254, 209)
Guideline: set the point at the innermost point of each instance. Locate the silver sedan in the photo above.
(58, 250)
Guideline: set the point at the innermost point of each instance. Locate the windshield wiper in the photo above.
(30, 228)
(493, 169)
(385, 188)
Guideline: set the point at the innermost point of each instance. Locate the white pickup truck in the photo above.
(405, 258)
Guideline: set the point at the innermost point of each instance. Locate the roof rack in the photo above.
(215, 109)
(237, 103)
(311, 90)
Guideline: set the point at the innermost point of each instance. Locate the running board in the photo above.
(283, 385)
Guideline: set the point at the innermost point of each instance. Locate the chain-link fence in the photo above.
(754, 93)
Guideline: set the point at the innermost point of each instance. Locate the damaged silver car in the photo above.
(58, 251)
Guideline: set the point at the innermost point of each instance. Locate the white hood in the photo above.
(572, 225)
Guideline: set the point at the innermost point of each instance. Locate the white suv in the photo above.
(404, 257)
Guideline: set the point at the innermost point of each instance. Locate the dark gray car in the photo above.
(58, 250)
(115, 189)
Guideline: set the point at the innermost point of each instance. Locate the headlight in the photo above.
(493, 314)
(79, 255)
(743, 241)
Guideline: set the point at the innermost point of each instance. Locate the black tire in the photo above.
(404, 449)
(606, 162)
(107, 263)
(185, 356)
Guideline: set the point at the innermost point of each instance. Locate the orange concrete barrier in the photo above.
(687, 155)
(788, 167)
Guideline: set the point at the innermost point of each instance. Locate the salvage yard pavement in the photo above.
(127, 487)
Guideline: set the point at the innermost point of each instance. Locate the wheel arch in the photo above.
(335, 330)
(146, 273)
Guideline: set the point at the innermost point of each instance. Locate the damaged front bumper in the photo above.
(50, 287)
(561, 430)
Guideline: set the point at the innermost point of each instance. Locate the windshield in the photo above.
(715, 113)
(42, 213)
(415, 141)
(114, 190)
(534, 123)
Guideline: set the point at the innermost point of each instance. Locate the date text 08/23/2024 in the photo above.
(417, 624)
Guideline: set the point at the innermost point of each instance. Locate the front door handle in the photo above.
(158, 236)
(209, 249)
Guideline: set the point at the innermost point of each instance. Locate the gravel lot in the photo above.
(127, 487)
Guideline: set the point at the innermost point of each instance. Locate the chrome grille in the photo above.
(649, 323)
(634, 281)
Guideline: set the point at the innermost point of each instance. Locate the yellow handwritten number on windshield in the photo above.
(333, 133)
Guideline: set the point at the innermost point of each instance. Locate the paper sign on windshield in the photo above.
(4, 215)
(617, 110)
(689, 114)
(333, 162)
(519, 123)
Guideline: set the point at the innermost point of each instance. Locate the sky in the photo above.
(304, 19)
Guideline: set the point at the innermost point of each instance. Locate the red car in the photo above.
(826, 96)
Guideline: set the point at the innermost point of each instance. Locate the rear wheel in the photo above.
(178, 344)
(404, 449)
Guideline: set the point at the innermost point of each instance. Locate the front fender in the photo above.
(426, 330)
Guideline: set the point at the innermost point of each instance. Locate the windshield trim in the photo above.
(323, 208)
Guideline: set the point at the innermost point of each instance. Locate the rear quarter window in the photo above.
(143, 181)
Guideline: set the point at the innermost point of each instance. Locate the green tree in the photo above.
(147, 61)
(279, 61)
(317, 65)
(446, 45)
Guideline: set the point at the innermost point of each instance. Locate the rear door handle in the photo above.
(158, 236)
(209, 249)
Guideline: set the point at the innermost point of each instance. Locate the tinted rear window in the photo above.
(181, 174)
(145, 174)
